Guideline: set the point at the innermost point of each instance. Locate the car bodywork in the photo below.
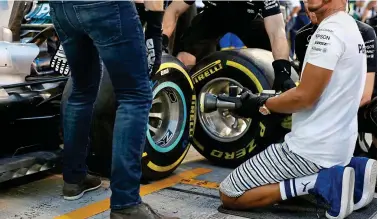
(30, 95)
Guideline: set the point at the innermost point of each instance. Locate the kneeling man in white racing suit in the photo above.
(317, 155)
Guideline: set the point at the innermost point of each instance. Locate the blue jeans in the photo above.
(106, 32)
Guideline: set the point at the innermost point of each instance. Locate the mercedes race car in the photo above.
(30, 94)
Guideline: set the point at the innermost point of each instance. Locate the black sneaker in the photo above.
(142, 211)
(76, 191)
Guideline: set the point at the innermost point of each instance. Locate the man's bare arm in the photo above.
(275, 28)
(171, 15)
(305, 95)
(155, 5)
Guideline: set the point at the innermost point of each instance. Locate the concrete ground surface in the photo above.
(191, 192)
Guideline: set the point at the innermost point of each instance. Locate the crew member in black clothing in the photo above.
(367, 115)
(259, 24)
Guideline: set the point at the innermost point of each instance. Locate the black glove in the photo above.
(165, 43)
(295, 64)
(154, 38)
(249, 104)
(282, 72)
(59, 62)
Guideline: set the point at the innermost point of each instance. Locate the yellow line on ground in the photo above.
(201, 183)
(101, 206)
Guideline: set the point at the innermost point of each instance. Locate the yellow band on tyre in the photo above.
(178, 67)
(247, 72)
(158, 168)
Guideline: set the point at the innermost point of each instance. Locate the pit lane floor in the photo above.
(191, 192)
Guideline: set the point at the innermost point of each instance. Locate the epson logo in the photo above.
(322, 36)
(368, 47)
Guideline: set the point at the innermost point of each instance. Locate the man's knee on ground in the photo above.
(239, 203)
(187, 58)
(258, 197)
(228, 202)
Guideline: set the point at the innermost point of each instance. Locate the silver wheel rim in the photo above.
(166, 118)
(221, 125)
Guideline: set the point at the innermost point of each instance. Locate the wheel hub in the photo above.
(167, 117)
(222, 125)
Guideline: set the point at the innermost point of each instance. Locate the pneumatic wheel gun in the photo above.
(210, 102)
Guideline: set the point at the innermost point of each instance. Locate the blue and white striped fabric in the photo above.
(275, 164)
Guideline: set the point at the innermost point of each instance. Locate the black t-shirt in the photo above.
(367, 32)
(253, 7)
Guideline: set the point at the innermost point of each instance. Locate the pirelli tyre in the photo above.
(220, 137)
(171, 122)
(172, 119)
